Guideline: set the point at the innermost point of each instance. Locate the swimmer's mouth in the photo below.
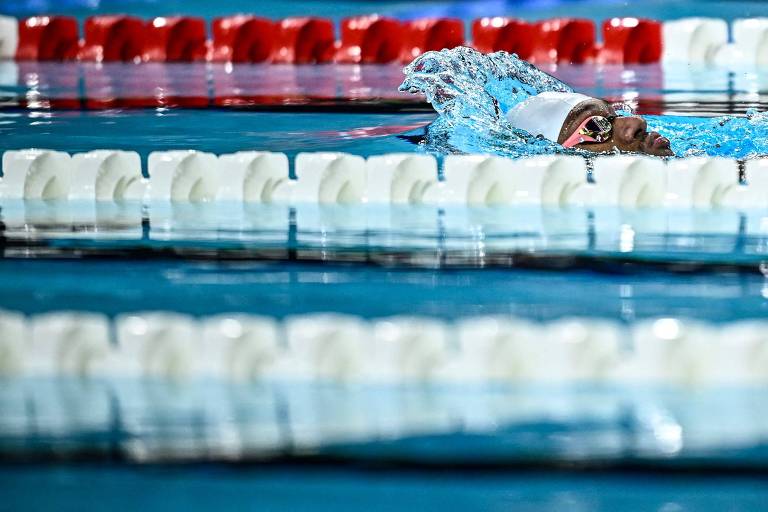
(656, 141)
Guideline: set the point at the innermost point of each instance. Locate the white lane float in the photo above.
(337, 348)
(693, 40)
(673, 351)
(399, 178)
(69, 343)
(504, 349)
(107, 175)
(592, 347)
(553, 180)
(182, 176)
(325, 178)
(480, 180)
(36, 174)
(13, 343)
(239, 347)
(705, 182)
(742, 354)
(157, 344)
(704, 195)
(9, 37)
(749, 47)
(756, 174)
(327, 347)
(627, 181)
(408, 349)
(334, 179)
(251, 176)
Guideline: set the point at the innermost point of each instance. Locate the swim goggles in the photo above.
(592, 129)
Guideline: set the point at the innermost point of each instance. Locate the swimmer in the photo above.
(577, 121)
(479, 97)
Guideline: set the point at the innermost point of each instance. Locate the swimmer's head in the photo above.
(586, 123)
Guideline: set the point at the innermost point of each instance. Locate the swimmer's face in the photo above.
(630, 134)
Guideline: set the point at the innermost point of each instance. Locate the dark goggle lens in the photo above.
(599, 128)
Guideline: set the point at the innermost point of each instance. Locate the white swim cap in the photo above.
(545, 113)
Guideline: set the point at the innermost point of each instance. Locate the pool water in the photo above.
(601, 451)
(148, 130)
(467, 9)
(190, 488)
(280, 289)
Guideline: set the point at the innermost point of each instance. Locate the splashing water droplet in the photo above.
(472, 92)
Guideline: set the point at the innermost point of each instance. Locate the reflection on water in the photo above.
(428, 236)
(212, 130)
(156, 85)
(145, 420)
(651, 89)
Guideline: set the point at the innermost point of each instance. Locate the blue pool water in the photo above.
(439, 263)
(218, 131)
(203, 488)
(468, 9)
(278, 289)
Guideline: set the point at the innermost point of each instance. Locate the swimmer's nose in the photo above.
(630, 128)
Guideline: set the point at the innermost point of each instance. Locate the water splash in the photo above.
(729, 136)
(472, 91)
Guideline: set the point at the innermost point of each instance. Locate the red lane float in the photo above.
(175, 39)
(564, 40)
(47, 38)
(430, 34)
(370, 39)
(631, 41)
(304, 41)
(113, 39)
(503, 34)
(243, 38)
